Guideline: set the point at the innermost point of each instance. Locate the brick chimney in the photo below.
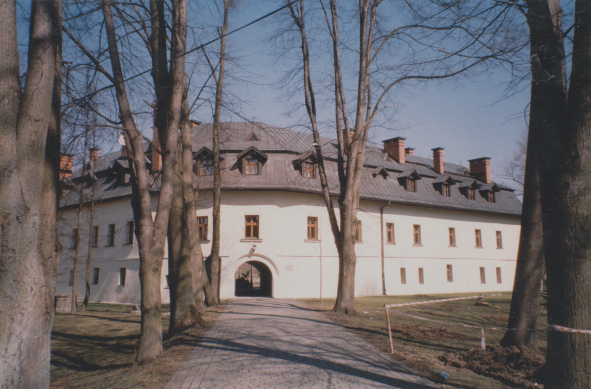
(395, 148)
(480, 169)
(94, 154)
(156, 157)
(66, 165)
(409, 151)
(438, 159)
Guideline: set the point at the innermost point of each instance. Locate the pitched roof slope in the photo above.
(279, 172)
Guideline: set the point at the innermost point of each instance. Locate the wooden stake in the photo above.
(389, 329)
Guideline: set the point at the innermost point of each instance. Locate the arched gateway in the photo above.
(253, 278)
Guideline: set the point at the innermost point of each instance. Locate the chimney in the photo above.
(94, 154)
(395, 148)
(156, 157)
(409, 151)
(480, 169)
(438, 159)
(66, 165)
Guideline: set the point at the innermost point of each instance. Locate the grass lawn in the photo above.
(419, 344)
(96, 349)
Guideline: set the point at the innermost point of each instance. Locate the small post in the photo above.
(482, 339)
(389, 329)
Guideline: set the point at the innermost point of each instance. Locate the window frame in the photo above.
(445, 190)
(312, 228)
(402, 276)
(470, 194)
(499, 237)
(110, 235)
(94, 237)
(482, 275)
(71, 278)
(411, 185)
(308, 170)
(122, 276)
(499, 275)
(478, 238)
(390, 236)
(248, 163)
(202, 228)
(95, 276)
(491, 197)
(358, 232)
(416, 234)
(421, 276)
(452, 237)
(75, 237)
(206, 167)
(255, 222)
(129, 233)
(450, 273)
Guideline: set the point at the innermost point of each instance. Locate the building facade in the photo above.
(426, 226)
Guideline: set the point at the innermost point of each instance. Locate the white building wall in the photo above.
(304, 269)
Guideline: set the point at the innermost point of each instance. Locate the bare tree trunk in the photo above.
(545, 21)
(151, 233)
(27, 261)
(214, 261)
(566, 180)
(90, 225)
(74, 306)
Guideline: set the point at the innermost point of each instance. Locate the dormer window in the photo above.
(442, 184)
(251, 161)
(491, 197)
(252, 166)
(408, 180)
(445, 190)
(206, 167)
(305, 163)
(468, 187)
(308, 170)
(380, 172)
(487, 191)
(470, 194)
(204, 162)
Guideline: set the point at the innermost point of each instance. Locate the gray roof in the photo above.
(282, 146)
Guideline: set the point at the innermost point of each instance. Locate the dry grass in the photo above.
(418, 343)
(96, 349)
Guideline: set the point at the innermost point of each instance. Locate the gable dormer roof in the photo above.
(472, 184)
(252, 151)
(492, 187)
(309, 155)
(410, 174)
(445, 179)
(380, 170)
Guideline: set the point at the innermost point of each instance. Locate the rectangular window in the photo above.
(75, 238)
(122, 274)
(129, 233)
(416, 229)
(445, 190)
(491, 197)
(71, 279)
(499, 240)
(452, 237)
(312, 228)
(421, 276)
(111, 235)
(202, 227)
(358, 236)
(482, 276)
(390, 233)
(478, 236)
(308, 170)
(470, 194)
(251, 227)
(450, 273)
(206, 167)
(94, 237)
(499, 279)
(252, 166)
(403, 275)
(410, 185)
(95, 275)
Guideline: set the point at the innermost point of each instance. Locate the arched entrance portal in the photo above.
(253, 278)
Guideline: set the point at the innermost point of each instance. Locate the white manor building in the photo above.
(426, 226)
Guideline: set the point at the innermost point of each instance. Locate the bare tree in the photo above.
(28, 258)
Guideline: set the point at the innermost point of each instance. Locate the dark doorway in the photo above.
(253, 278)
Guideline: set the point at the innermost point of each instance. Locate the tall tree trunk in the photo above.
(27, 262)
(74, 305)
(215, 261)
(545, 22)
(151, 233)
(89, 255)
(566, 204)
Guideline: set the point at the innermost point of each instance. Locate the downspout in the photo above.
(382, 244)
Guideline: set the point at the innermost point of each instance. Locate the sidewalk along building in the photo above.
(426, 226)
